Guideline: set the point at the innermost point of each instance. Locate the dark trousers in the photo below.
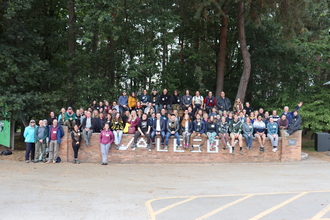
(138, 134)
(208, 109)
(75, 150)
(197, 107)
(30, 150)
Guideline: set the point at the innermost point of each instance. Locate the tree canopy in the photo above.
(67, 53)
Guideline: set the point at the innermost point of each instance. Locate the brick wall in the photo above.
(289, 149)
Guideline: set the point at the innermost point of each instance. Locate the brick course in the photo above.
(285, 153)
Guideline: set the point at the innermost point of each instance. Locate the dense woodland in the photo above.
(59, 53)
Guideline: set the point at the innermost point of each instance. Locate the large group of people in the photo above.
(155, 115)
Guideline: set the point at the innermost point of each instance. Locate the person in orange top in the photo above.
(132, 101)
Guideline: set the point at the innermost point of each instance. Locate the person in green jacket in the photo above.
(70, 119)
(29, 140)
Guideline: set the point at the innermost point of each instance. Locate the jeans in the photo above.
(155, 108)
(273, 140)
(168, 108)
(30, 149)
(176, 135)
(118, 135)
(153, 134)
(105, 149)
(87, 135)
(53, 150)
(248, 139)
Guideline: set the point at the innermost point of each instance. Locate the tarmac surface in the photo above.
(297, 190)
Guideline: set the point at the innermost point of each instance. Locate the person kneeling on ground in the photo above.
(295, 123)
(106, 139)
(55, 134)
(143, 130)
(235, 128)
(173, 129)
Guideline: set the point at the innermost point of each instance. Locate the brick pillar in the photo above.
(291, 146)
(63, 148)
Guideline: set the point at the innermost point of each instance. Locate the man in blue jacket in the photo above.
(198, 129)
(123, 102)
(223, 103)
(55, 134)
(289, 115)
(158, 129)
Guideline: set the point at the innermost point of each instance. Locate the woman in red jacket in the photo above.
(106, 139)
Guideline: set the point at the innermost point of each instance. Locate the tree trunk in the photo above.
(245, 54)
(112, 55)
(72, 48)
(12, 134)
(221, 56)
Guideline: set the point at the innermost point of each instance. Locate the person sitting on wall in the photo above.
(143, 129)
(295, 124)
(158, 128)
(209, 102)
(70, 119)
(288, 114)
(123, 102)
(144, 99)
(186, 100)
(235, 129)
(88, 126)
(223, 103)
(173, 127)
(198, 129)
(176, 100)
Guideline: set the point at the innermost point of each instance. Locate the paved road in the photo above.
(299, 190)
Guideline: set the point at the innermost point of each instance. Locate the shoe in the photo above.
(153, 143)
(105, 164)
(134, 146)
(201, 147)
(54, 161)
(235, 142)
(44, 160)
(179, 147)
(149, 149)
(275, 150)
(34, 161)
(241, 152)
(74, 161)
(102, 163)
(262, 149)
(286, 134)
(117, 147)
(233, 152)
(148, 146)
(49, 161)
(192, 148)
(27, 161)
(166, 147)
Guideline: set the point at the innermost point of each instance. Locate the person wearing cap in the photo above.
(30, 141)
(154, 99)
(144, 99)
(123, 102)
(55, 133)
(70, 119)
(40, 136)
(186, 100)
